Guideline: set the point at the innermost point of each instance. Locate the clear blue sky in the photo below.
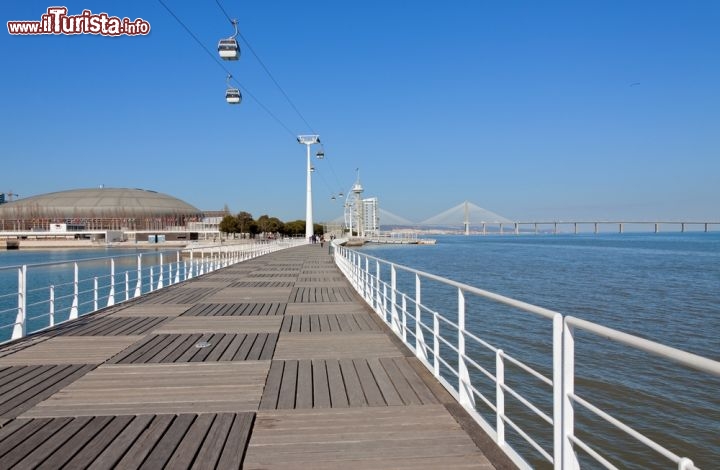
(531, 109)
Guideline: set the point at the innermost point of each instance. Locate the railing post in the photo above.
(569, 460)
(127, 285)
(138, 286)
(160, 276)
(111, 295)
(190, 274)
(377, 287)
(404, 318)
(420, 345)
(367, 291)
(436, 345)
(170, 274)
(177, 271)
(557, 390)
(75, 301)
(395, 320)
(20, 328)
(152, 279)
(499, 397)
(52, 306)
(95, 294)
(464, 386)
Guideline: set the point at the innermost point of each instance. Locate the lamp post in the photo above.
(307, 141)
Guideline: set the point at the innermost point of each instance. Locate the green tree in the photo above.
(295, 228)
(229, 224)
(244, 221)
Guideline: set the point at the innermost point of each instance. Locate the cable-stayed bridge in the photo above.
(471, 217)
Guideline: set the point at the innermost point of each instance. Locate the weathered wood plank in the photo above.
(288, 387)
(95, 446)
(170, 440)
(370, 388)
(321, 386)
(235, 447)
(160, 388)
(338, 395)
(304, 393)
(85, 428)
(70, 350)
(271, 392)
(360, 438)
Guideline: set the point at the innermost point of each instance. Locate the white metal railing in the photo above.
(453, 355)
(88, 285)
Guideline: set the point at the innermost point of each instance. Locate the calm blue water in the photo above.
(61, 275)
(663, 287)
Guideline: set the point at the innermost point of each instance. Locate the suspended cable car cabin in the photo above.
(228, 48)
(233, 96)
(320, 155)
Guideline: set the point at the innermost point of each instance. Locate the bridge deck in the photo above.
(271, 363)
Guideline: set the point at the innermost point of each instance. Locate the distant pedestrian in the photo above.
(322, 240)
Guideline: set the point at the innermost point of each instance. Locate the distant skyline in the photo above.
(532, 110)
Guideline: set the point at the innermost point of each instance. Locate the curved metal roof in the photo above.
(105, 202)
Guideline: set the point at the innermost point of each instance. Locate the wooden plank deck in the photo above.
(274, 363)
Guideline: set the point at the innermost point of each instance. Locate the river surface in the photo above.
(662, 287)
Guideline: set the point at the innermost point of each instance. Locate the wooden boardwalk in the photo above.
(273, 363)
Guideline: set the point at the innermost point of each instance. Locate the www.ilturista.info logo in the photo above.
(57, 21)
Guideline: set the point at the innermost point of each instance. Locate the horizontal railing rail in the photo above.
(79, 287)
(429, 313)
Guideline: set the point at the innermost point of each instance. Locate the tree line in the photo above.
(243, 223)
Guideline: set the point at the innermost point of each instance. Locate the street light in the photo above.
(307, 141)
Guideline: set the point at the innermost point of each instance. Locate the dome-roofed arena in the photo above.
(98, 209)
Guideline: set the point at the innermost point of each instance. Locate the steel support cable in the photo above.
(220, 64)
(277, 84)
(267, 71)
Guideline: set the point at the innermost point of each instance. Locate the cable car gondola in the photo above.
(228, 48)
(232, 95)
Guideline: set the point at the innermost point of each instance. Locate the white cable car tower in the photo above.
(307, 141)
(354, 208)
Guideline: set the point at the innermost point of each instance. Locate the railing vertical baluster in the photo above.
(20, 328)
(377, 286)
(467, 398)
(384, 305)
(95, 293)
(420, 346)
(436, 345)
(160, 276)
(189, 275)
(170, 274)
(569, 460)
(557, 391)
(367, 291)
(404, 318)
(52, 306)
(138, 286)
(499, 397)
(75, 301)
(152, 279)
(111, 295)
(395, 324)
(127, 285)
(177, 271)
